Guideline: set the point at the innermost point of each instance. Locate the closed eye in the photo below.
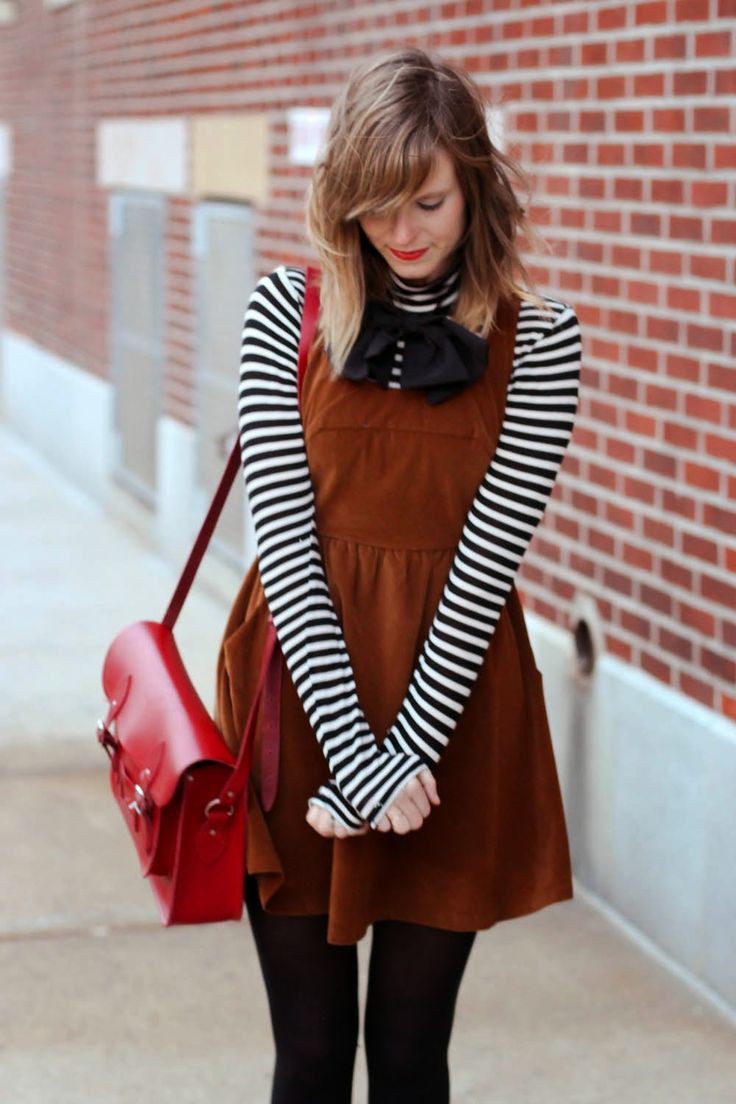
(431, 206)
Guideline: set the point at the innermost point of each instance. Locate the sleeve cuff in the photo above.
(329, 797)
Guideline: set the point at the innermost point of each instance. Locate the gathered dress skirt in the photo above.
(393, 478)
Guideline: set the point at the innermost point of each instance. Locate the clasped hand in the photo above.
(408, 811)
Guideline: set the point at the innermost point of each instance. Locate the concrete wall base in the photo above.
(648, 779)
(59, 409)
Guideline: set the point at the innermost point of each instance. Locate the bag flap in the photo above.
(160, 719)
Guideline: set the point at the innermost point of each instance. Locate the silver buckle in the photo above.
(217, 801)
(140, 795)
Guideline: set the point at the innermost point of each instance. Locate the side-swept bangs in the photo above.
(389, 174)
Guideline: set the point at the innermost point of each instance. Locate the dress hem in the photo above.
(556, 894)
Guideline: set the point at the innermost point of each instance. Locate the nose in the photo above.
(403, 233)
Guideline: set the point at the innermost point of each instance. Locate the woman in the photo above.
(417, 789)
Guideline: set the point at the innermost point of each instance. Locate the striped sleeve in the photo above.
(541, 404)
(364, 776)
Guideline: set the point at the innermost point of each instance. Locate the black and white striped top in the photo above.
(541, 404)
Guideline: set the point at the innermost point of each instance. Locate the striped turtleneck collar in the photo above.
(436, 295)
(442, 357)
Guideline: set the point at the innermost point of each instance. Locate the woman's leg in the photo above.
(413, 980)
(312, 989)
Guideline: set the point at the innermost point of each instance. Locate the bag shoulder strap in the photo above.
(267, 696)
(309, 321)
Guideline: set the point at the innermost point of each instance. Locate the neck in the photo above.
(426, 295)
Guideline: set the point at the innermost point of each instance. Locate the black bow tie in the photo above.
(440, 355)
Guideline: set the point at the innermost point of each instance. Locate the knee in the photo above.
(318, 1064)
(316, 1050)
(402, 1057)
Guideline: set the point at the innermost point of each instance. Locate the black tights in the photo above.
(413, 980)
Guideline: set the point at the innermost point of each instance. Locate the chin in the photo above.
(426, 268)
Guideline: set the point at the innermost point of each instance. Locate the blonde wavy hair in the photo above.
(380, 146)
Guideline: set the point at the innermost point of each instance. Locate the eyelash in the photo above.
(423, 206)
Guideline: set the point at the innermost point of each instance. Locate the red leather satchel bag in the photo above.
(181, 792)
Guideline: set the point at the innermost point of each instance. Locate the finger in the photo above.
(327, 825)
(411, 813)
(413, 803)
(345, 833)
(399, 821)
(320, 820)
(311, 817)
(429, 783)
(415, 792)
(336, 828)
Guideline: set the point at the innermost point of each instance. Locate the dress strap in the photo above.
(502, 343)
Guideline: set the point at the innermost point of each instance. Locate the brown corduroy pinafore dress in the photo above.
(393, 479)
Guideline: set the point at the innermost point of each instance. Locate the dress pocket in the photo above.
(243, 648)
(537, 707)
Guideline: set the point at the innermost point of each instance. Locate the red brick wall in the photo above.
(625, 112)
(56, 263)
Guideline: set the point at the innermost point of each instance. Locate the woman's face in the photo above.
(433, 220)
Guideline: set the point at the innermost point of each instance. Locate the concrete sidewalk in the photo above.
(99, 1003)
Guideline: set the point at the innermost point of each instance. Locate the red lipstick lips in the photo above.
(409, 256)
